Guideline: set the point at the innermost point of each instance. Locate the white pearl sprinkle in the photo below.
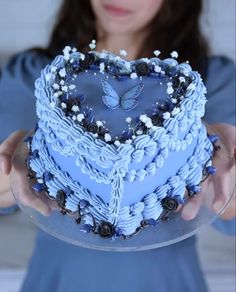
(95, 135)
(74, 118)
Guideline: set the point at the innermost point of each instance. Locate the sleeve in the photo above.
(17, 100)
(220, 108)
(220, 84)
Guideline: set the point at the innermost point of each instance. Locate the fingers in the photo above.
(191, 209)
(7, 150)
(21, 186)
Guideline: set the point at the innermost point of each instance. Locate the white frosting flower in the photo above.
(56, 86)
(129, 141)
(75, 108)
(82, 56)
(181, 79)
(174, 100)
(92, 46)
(166, 115)
(157, 68)
(133, 75)
(149, 124)
(174, 54)
(63, 105)
(156, 53)
(107, 137)
(62, 82)
(80, 117)
(64, 88)
(117, 143)
(128, 120)
(48, 77)
(143, 118)
(102, 67)
(123, 53)
(139, 132)
(170, 90)
(62, 72)
(99, 123)
(175, 111)
(72, 87)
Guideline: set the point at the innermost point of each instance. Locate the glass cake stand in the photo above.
(65, 228)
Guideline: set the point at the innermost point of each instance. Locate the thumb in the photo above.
(7, 150)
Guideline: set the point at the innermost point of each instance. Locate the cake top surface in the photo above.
(116, 100)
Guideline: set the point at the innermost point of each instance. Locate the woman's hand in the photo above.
(222, 184)
(13, 154)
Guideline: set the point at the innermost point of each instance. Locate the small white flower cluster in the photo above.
(170, 89)
(123, 53)
(92, 45)
(133, 75)
(174, 54)
(102, 67)
(146, 120)
(156, 53)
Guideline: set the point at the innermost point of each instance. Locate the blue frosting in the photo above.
(124, 183)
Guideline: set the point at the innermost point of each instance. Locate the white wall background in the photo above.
(26, 23)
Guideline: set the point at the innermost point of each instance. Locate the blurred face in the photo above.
(125, 16)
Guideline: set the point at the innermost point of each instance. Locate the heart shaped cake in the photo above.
(119, 144)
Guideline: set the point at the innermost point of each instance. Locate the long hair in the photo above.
(175, 27)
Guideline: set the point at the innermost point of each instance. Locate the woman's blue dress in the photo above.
(57, 266)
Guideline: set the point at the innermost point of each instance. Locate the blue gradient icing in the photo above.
(123, 184)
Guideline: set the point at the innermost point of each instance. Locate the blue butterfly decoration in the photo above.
(128, 101)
